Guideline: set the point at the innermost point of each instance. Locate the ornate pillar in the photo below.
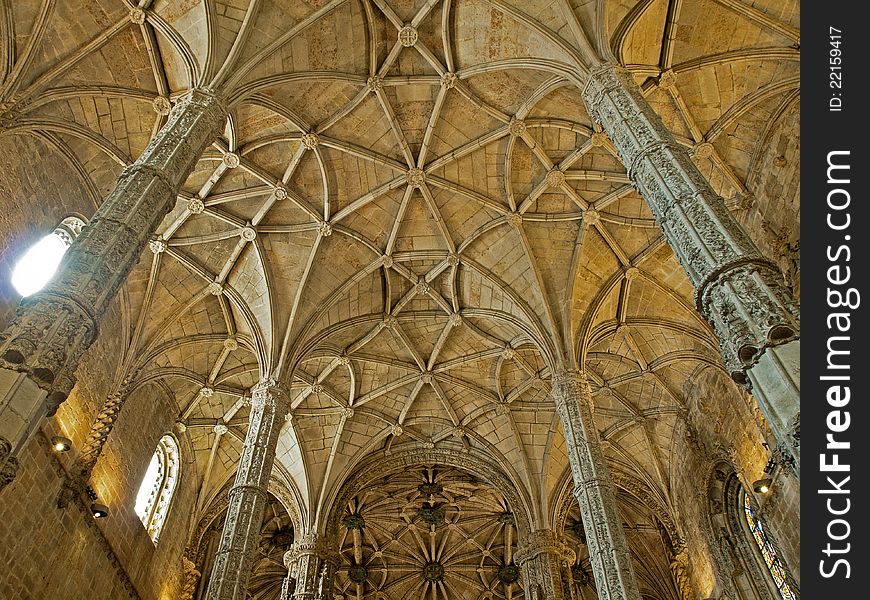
(248, 496)
(41, 349)
(311, 568)
(546, 563)
(738, 291)
(85, 462)
(605, 539)
(190, 579)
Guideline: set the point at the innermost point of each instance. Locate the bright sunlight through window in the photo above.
(40, 262)
(158, 485)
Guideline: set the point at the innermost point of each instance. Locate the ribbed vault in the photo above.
(411, 220)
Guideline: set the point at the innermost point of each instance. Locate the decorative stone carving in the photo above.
(137, 16)
(517, 127)
(220, 429)
(703, 150)
(546, 560)
(453, 260)
(231, 160)
(231, 344)
(448, 80)
(387, 261)
(206, 391)
(555, 178)
(162, 106)
(375, 83)
(422, 288)
(157, 245)
(215, 288)
(508, 353)
(344, 360)
(396, 430)
(195, 205)
(679, 566)
(598, 139)
(608, 551)
(667, 79)
(741, 293)
(347, 412)
(311, 564)
(515, 219)
(54, 327)
(249, 234)
(248, 495)
(455, 320)
(8, 463)
(280, 192)
(324, 229)
(591, 217)
(310, 140)
(189, 579)
(416, 177)
(408, 36)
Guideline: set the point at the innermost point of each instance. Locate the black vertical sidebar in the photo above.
(835, 301)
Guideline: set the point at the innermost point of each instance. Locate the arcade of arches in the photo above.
(387, 299)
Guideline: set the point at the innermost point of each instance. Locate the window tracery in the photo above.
(158, 486)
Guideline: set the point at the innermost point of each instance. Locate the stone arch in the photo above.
(749, 577)
(382, 464)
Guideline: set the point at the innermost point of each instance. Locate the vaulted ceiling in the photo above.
(409, 216)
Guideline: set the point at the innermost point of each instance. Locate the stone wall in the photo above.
(773, 219)
(46, 549)
(724, 424)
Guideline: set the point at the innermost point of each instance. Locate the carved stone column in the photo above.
(190, 579)
(738, 291)
(605, 539)
(54, 327)
(248, 496)
(546, 563)
(679, 565)
(311, 567)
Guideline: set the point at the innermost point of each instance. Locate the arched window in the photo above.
(752, 568)
(155, 493)
(39, 263)
(768, 552)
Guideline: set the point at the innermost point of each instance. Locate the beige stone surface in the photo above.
(365, 317)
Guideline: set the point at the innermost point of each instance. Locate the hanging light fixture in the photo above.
(60, 443)
(762, 486)
(99, 510)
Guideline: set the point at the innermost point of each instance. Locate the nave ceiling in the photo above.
(410, 217)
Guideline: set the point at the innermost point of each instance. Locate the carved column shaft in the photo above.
(608, 551)
(248, 496)
(54, 327)
(738, 291)
(310, 570)
(546, 562)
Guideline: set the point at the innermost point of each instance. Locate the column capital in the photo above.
(311, 544)
(544, 541)
(269, 392)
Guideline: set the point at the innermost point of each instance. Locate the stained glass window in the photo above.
(158, 485)
(774, 564)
